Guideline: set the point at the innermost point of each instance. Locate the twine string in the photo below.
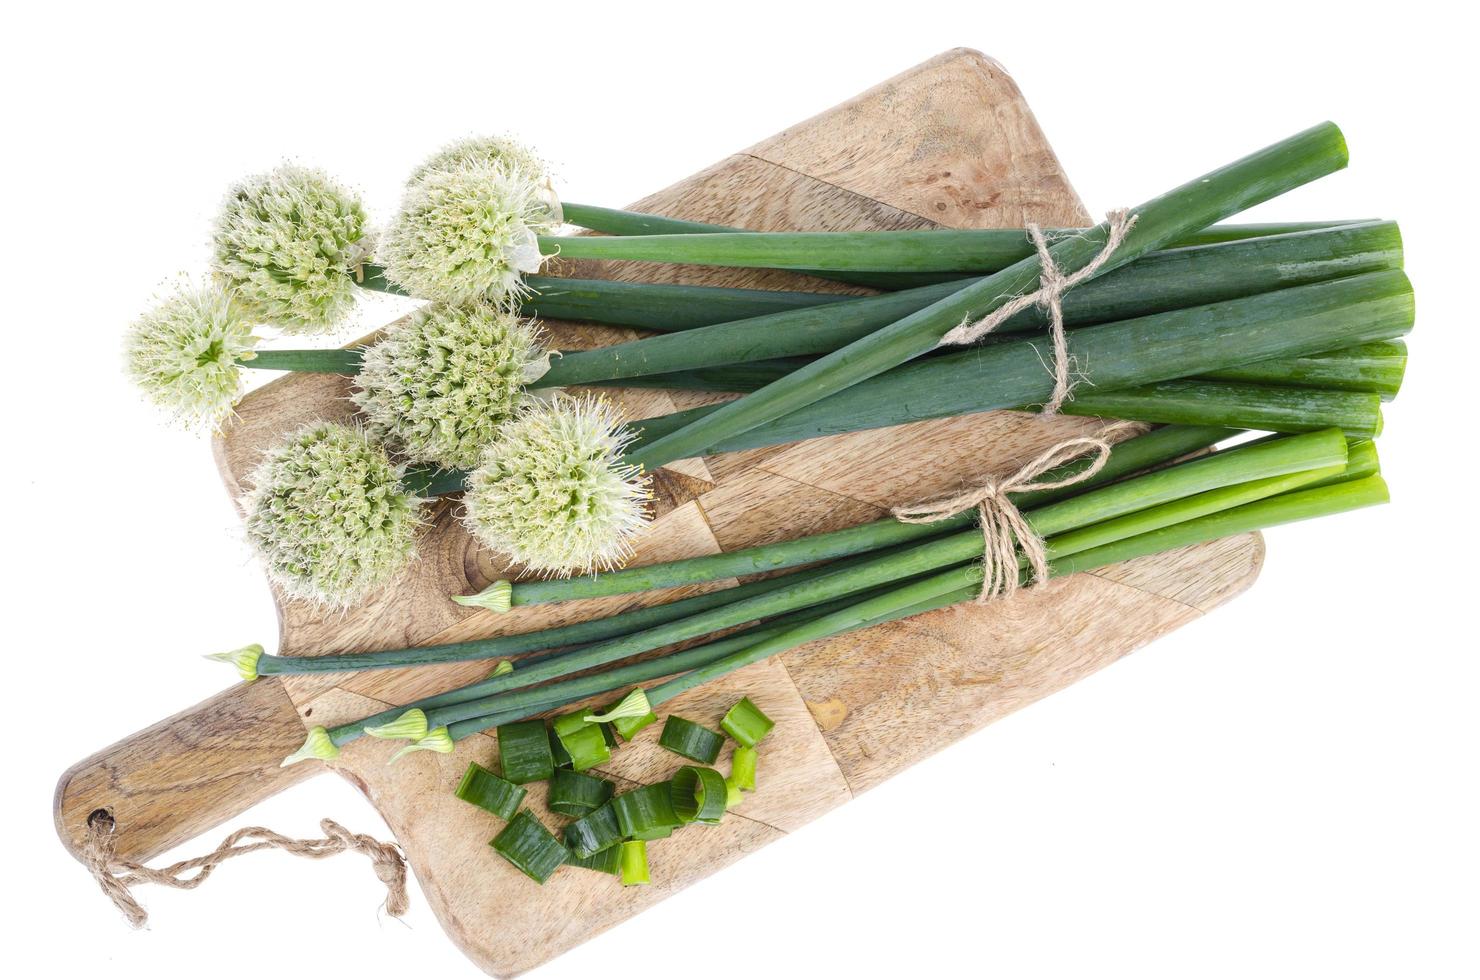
(116, 877)
(1049, 296)
(1005, 531)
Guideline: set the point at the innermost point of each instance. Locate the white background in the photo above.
(1286, 788)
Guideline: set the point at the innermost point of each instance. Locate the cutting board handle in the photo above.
(187, 774)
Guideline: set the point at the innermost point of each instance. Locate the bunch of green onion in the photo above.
(1142, 502)
(557, 484)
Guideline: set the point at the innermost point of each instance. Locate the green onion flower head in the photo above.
(183, 354)
(552, 492)
(290, 242)
(439, 384)
(329, 515)
(470, 232)
(482, 150)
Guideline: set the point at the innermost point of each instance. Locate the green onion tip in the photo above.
(498, 597)
(244, 660)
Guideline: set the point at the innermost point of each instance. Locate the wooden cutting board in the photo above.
(948, 143)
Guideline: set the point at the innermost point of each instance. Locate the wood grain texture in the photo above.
(186, 774)
(948, 143)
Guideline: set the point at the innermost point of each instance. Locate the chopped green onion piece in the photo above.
(608, 861)
(501, 668)
(576, 794)
(528, 846)
(482, 788)
(690, 740)
(524, 751)
(699, 795)
(645, 809)
(583, 741)
(746, 723)
(596, 831)
(608, 734)
(634, 862)
(733, 796)
(742, 767)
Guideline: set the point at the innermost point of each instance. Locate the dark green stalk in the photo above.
(934, 250)
(1157, 283)
(1370, 367)
(1127, 457)
(1374, 368)
(612, 221)
(333, 360)
(1195, 205)
(658, 306)
(1266, 407)
(1287, 323)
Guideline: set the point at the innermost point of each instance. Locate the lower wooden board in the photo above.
(948, 143)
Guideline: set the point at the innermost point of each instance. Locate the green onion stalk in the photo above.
(1177, 522)
(1258, 177)
(1196, 487)
(1377, 368)
(541, 531)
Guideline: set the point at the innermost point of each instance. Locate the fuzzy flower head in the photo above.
(329, 515)
(289, 242)
(438, 385)
(482, 150)
(469, 233)
(552, 492)
(184, 354)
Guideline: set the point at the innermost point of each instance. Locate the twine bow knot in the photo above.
(1049, 296)
(116, 876)
(1004, 529)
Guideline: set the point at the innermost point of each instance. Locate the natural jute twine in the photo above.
(116, 876)
(1004, 528)
(1052, 284)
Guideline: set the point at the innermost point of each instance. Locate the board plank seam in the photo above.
(1146, 592)
(820, 734)
(838, 187)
